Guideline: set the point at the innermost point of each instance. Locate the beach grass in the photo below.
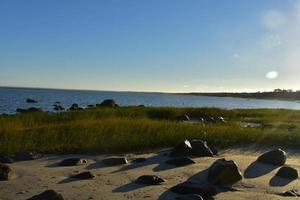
(139, 129)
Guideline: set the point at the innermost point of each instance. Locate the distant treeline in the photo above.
(277, 94)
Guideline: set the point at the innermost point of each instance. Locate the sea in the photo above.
(13, 98)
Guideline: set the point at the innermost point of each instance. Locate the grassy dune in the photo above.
(113, 130)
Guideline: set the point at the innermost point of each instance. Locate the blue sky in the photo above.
(150, 45)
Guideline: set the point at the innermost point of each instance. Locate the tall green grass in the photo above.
(115, 130)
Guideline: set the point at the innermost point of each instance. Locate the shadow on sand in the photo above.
(129, 187)
(257, 169)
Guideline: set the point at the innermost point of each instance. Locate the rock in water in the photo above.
(6, 172)
(150, 180)
(29, 110)
(47, 195)
(58, 108)
(275, 157)
(75, 107)
(115, 161)
(72, 162)
(190, 197)
(287, 172)
(181, 161)
(83, 175)
(201, 149)
(31, 101)
(224, 173)
(189, 187)
(182, 149)
(108, 103)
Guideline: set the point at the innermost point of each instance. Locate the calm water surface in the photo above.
(13, 98)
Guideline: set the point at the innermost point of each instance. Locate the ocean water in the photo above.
(13, 98)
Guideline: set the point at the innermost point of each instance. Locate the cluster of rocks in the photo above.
(74, 107)
(204, 120)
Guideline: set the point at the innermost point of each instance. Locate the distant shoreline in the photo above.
(281, 96)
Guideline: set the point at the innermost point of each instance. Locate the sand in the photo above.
(112, 183)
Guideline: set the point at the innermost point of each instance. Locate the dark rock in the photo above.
(183, 118)
(115, 161)
(221, 119)
(108, 103)
(287, 172)
(200, 149)
(290, 193)
(47, 195)
(141, 106)
(72, 162)
(83, 175)
(214, 150)
(189, 197)
(31, 101)
(75, 107)
(58, 108)
(139, 160)
(6, 172)
(182, 149)
(29, 110)
(149, 180)
(180, 161)
(90, 106)
(224, 173)
(6, 159)
(275, 157)
(26, 155)
(189, 187)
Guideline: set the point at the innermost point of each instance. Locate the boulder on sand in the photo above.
(83, 176)
(115, 161)
(31, 101)
(149, 180)
(47, 195)
(189, 197)
(287, 172)
(139, 160)
(72, 162)
(180, 161)
(25, 156)
(201, 149)
(290, 193)
(275, 157)
(190, 187)
(108, 103)
(6, 172)
(224, 173)
(182, 149)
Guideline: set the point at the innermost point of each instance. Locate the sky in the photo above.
(151, 45)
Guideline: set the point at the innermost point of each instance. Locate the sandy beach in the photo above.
(116, 182)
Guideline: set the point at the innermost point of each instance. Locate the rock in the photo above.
(6, 159)
(108, 103)
(83, 175)
(290, 193)
(180, 161)
(58, 108)
(75, 107)
(183, 118)
(115, 161)
(26, 155)
(6, 172)
(221, 119)
(200, 149)
(139, 160)
(72, 162)
(31, 101)
(224, 173)
(47, 195)
(189, 187)
(90, 106)
(29, 110)
(190, 197)
(275, 157)
(287, 172)
(182, 149)
(149, 180)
